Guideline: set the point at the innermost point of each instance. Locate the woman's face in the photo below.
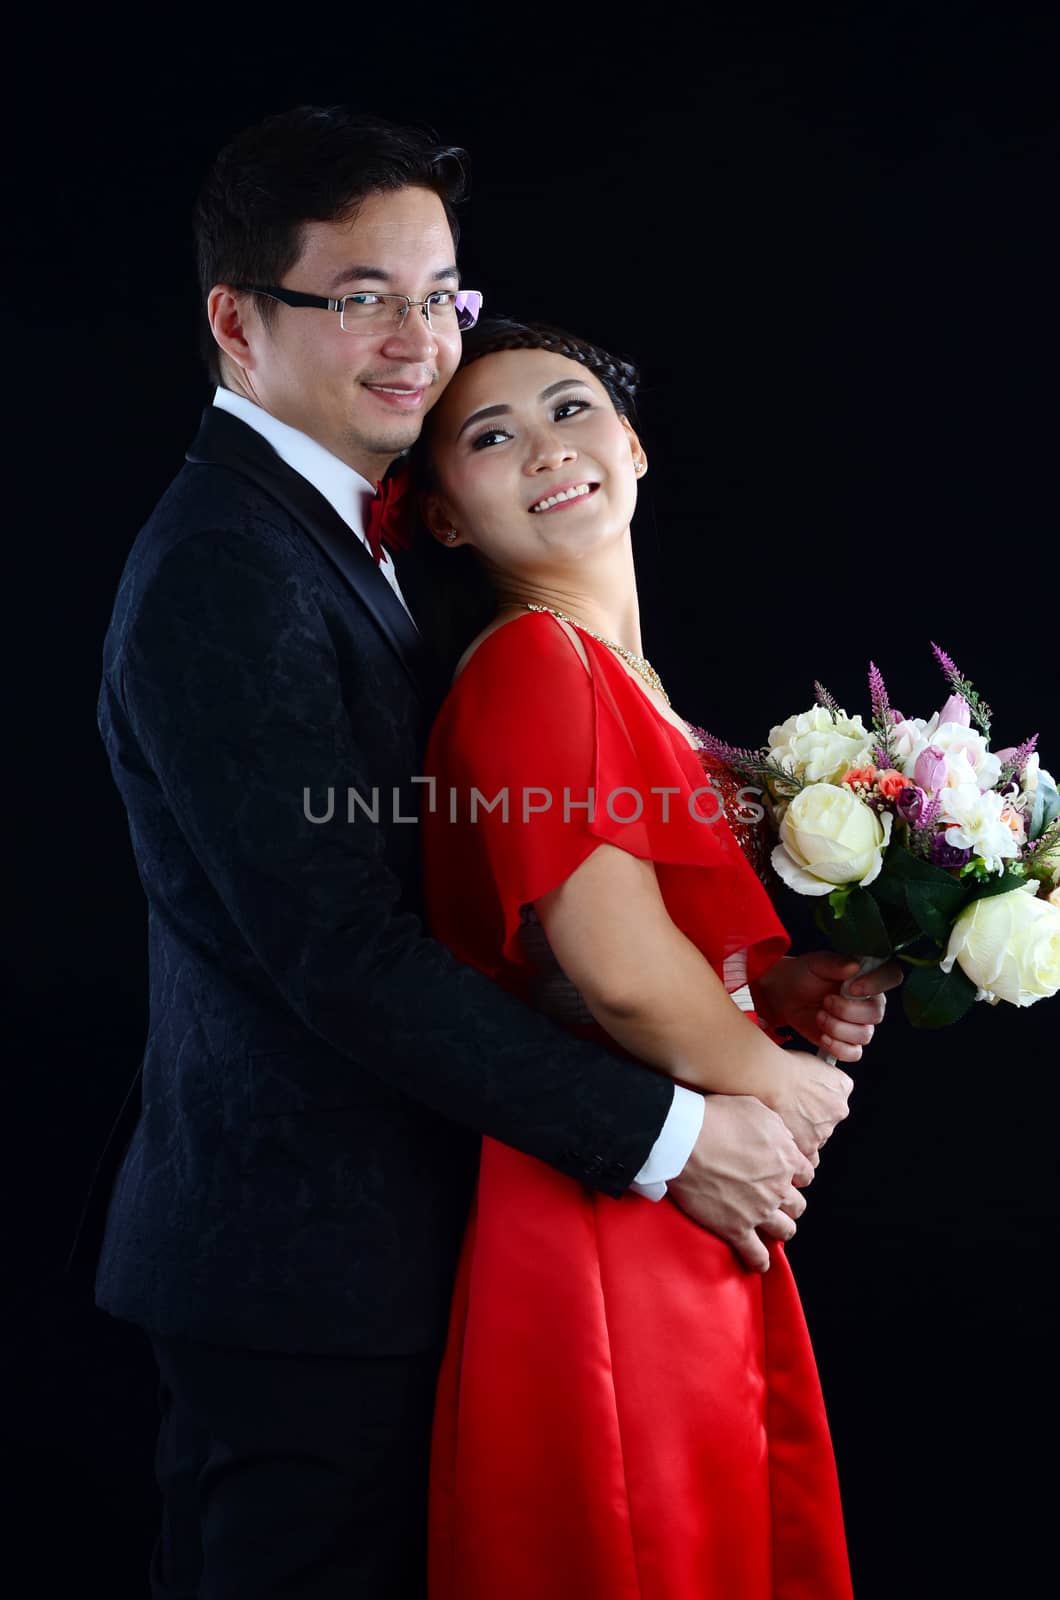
(512, 433)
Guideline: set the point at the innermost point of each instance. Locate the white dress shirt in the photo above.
(343, 488)
(350, 495)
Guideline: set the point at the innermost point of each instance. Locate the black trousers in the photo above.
(293, 1475)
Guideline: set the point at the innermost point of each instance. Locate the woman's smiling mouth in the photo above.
(556, 499)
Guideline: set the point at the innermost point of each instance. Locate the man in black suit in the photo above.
(318, 1071)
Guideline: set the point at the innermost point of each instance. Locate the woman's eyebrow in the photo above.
(480, 416)
(503, 411)
(564, 383)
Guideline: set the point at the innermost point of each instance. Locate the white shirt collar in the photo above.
(342, 486)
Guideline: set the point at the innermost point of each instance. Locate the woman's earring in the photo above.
(639, 466)
(451, 536)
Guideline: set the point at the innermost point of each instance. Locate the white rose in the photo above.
(1009, 946)
(965, 751)
(819, 746)
(907, 741)
(1053, 899)
(829, 836)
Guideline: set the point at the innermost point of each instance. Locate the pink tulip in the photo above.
(930, 770)
(956, 710)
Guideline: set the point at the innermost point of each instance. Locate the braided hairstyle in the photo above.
(495, 334)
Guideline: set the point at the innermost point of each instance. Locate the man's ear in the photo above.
(228, 314)
(438, 518)
(636, 449)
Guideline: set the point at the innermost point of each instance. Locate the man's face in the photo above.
(363, 396)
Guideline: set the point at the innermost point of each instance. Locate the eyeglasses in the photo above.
(446, 310)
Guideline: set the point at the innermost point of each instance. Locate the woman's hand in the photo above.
(811, 1099)
(804, 993)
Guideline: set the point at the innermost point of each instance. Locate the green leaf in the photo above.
(861, 931)
(932, 998)
(889, 888)
(930, 895)
(900, 865)
(933, 911)
(902, 928)
(839, 897)
(997, 883)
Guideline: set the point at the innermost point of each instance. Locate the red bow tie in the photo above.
(390, 514)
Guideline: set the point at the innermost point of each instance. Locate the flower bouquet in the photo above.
(918, 841)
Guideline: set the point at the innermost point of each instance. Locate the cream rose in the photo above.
(967, 758)
(1009, 946)
(819, 746)
(829, 836)
(908, 739)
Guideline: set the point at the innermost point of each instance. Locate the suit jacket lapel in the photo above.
(223, 440)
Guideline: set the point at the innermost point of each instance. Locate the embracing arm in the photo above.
(656, 994)
(227, 682)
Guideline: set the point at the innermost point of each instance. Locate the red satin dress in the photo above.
(624, 1411)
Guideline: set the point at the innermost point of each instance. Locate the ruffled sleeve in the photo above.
(536, 762)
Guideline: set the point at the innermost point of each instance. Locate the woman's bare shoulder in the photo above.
(506, 621)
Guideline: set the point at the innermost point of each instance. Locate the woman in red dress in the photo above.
(625, 1411)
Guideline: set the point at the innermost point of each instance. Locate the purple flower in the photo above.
(956, 710)
(947, 663)
(910, 805)
(944, 854)
(930, 812)
(930, 769)
(878, 693)
(1015, 756)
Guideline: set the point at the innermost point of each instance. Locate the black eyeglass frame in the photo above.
(319, 302)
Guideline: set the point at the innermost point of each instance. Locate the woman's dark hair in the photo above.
(465, 595)
(309, 164)
(495, 334)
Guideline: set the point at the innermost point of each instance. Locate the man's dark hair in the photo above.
(309, 164)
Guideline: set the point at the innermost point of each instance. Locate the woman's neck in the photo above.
(601, 595)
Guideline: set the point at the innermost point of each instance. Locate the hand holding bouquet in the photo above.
(919, 840)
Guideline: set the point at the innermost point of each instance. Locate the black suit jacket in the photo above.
(317, 1070)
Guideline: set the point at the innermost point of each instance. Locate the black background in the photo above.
(828, 237)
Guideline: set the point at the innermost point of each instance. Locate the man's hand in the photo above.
(812, 1101)
(744, 1175)
(805, 993)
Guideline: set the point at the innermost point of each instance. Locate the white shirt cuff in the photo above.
(672, 1148)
